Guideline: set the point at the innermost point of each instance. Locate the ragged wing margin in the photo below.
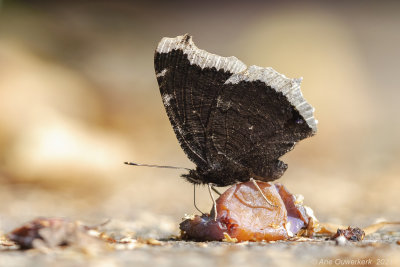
(279, 82)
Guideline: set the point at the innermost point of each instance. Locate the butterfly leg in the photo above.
(194, 199)
(259, 189)
(215, 190)
(214, 203)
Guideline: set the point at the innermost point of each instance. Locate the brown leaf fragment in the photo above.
(354, 234)
(45, 233)
(27, 233)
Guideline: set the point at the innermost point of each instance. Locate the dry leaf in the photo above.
(49, 233)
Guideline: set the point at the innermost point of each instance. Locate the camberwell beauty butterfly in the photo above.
(234, 122)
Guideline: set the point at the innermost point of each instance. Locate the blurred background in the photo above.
(78, 97)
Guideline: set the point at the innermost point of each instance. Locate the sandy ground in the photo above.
(377, 249)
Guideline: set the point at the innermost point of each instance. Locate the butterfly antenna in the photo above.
(215, 190)
(259, 189)
(155, 166)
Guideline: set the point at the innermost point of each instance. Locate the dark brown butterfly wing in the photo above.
(231, 121)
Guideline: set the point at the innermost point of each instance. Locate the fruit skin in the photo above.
(203, 228)
(243, 213)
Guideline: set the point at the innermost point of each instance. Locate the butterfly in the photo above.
(234, 122)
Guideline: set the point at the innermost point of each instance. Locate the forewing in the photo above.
(190, 80)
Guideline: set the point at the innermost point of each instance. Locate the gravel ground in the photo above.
(376, 249)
